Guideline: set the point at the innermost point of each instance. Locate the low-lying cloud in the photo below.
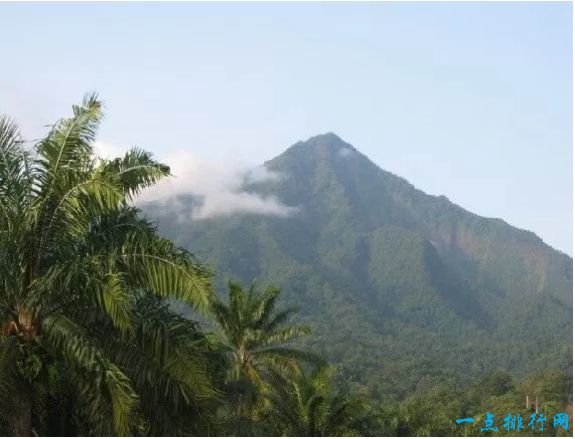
(345, 152)
(217, 184)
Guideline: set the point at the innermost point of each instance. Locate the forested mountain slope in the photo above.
(401, 289)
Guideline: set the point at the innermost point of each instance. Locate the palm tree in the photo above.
(256, 338)
(83, 326)
(307, 406)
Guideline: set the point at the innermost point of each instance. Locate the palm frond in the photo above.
(167, 271)
(70, 141)
(288, 353)
(136, 170)
(285, 335)
(124, 401)
(118, 302)
(75, 209)
(69, 339)
(15, 176)
(279, 319)
(85, 283)
(266, 307)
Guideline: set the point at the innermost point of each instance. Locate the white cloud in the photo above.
(345, 152)
(261, 174)
(228, 202)
(218, 184)
(107, 150)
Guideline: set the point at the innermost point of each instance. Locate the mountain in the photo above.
(401, 289)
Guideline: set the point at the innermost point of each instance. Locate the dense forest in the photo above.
(401, 289)
(108, 327)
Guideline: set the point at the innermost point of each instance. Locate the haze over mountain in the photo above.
(401, 289)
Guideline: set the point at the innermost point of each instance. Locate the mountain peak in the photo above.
(328, 137)
(328, 146)
(365, 244)
(328, 140)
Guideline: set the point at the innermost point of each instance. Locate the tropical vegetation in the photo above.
(401, 289)
(109, 328)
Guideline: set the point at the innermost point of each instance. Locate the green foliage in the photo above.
(432, 412)
(78, 268)
(413, 298)
(256, 338)
(308, 406)
(399, 288)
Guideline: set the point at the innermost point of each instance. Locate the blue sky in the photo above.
(469, 100)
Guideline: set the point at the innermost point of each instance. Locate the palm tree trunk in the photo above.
(21, 416)
(240, 410)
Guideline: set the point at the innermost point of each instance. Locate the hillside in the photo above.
(401, 289)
